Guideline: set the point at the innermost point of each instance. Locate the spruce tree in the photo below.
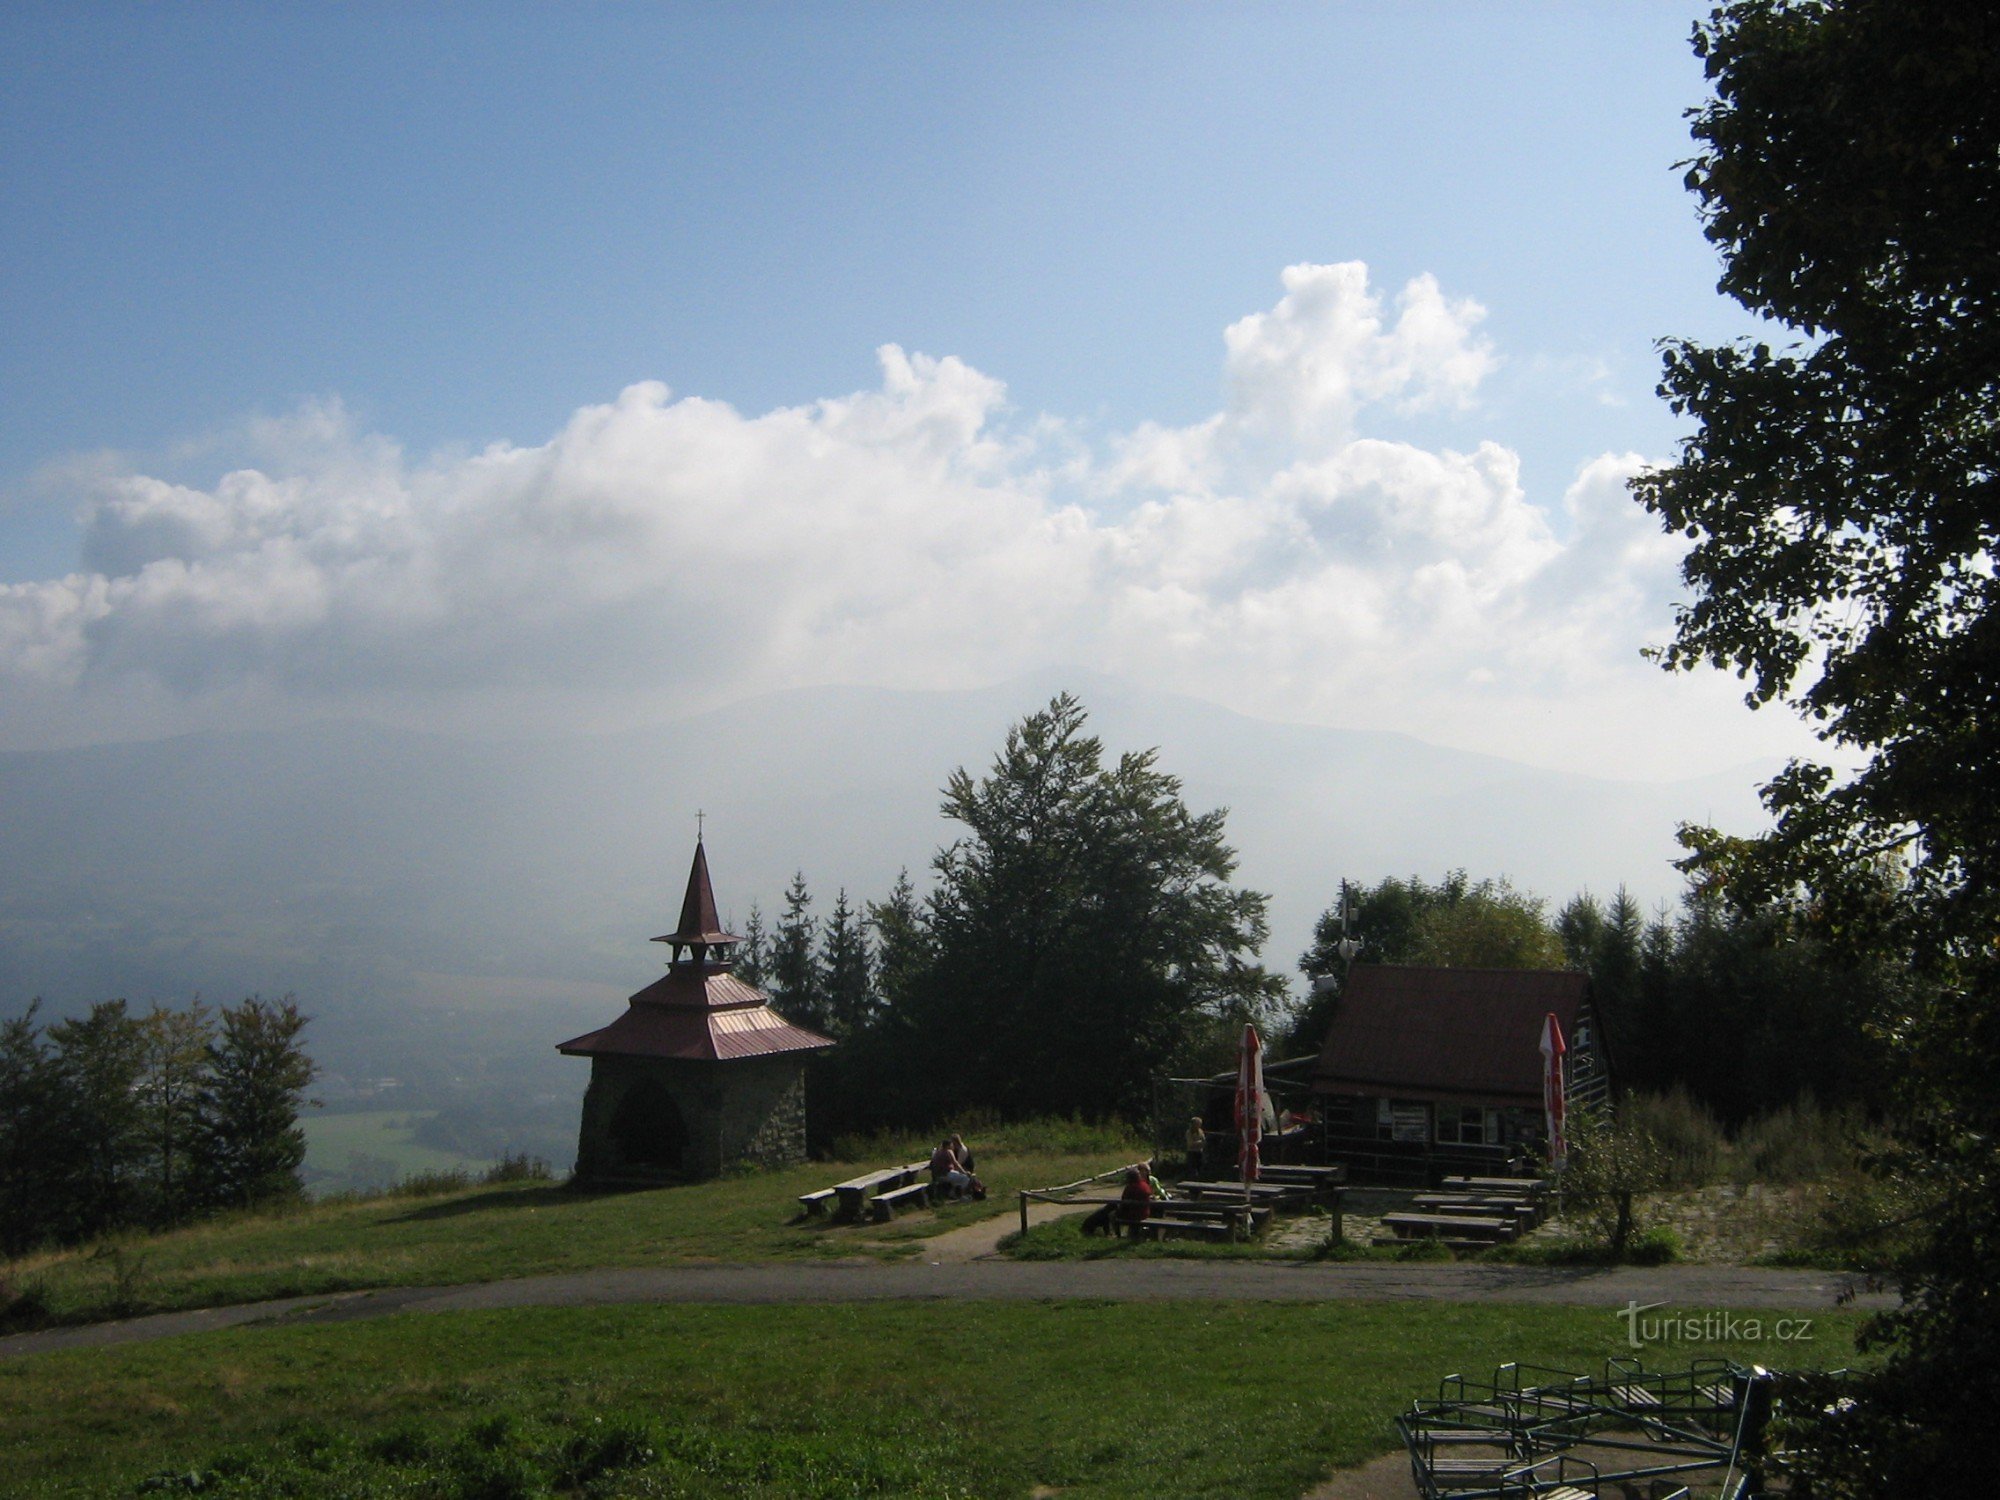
(797, 986)
(248, 1142)
(97, 1133)
(844, 969)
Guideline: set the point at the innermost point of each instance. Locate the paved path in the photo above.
(1696, 1288)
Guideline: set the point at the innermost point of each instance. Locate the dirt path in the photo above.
(974, 1278)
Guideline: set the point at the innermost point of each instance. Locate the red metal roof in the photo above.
(700, 1035)
(699, 923)
(1466, 1035)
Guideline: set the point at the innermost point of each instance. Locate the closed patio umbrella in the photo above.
(1250, 1103)
(1552, 1091)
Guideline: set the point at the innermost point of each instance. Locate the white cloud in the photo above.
(1307, 368)
(665, 552)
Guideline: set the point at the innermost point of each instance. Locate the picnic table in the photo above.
(1275, 1194)
(1526, 1211)
(1451, 1229)
(853, 1194)
(1239, 1218)
(1332, 1175)
(1530, 1187)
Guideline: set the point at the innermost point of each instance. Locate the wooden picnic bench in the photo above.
(1525, 1212)
(1531, 1187)
(814, 1204)
(1452, 1229)
(1206, 1228)
(1275, 1194)
(882, 1207)
(856, 1191)
(1334, 1175)
(1250, 1220)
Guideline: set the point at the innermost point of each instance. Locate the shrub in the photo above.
(432, 1184)
(1613, 1162)
(1799, 1143)
(23, 1304)
(1687, 1131)
(516, 1166)
(1653, 1247)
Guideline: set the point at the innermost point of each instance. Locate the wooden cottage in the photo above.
(699, 1072)
(1426, 1072)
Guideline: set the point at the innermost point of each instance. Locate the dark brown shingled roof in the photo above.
(1470, 1036)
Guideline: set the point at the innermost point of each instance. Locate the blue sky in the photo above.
(249, 236)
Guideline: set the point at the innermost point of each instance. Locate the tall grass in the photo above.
(1687, 1131)
(986, 1133)
(1794, 1143)
(1800, 1142)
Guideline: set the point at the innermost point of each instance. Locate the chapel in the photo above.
(699, 1073)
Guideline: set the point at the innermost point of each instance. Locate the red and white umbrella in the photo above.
(1251, 1105)
(1552, 1090)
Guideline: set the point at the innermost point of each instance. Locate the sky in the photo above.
(482, 367)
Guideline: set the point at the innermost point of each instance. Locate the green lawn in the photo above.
(518, 1229)
(1176, 1399)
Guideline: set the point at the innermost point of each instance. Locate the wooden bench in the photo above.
(1516, 1187)
(1206, 1228)
(855, 1192)
(1252, 1219)
(1450, 1227)
(1526, 1214)
(1273, 1194)
(882, 1207)
(1334, 1175)
(814, 1204)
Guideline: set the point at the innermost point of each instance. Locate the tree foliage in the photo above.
(249, 1145)
(1082, 928)
(1456, 923)
(1842, 497)
(110, 1121)
(797, 982)
(753, 954)
(845, 969)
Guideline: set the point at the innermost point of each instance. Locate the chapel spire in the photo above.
(700, 928)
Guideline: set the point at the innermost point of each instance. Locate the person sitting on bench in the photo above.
(1135, 1204)
(949, 1173)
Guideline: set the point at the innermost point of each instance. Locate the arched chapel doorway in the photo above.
(647, 1128)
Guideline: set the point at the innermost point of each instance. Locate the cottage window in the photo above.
(1463, 1125)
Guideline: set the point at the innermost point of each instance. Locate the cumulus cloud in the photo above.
(665, 551)
(1309, 365)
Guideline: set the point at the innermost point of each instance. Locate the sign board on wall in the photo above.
(1409, 1122)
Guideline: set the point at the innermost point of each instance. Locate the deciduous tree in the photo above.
(1084, 927)
(1842, 498)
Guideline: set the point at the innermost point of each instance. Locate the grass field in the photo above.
(519, 1229)
(1170, 1400)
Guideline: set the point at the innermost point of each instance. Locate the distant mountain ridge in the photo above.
(430, 891)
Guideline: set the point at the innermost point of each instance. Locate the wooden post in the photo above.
(1024, 1213)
